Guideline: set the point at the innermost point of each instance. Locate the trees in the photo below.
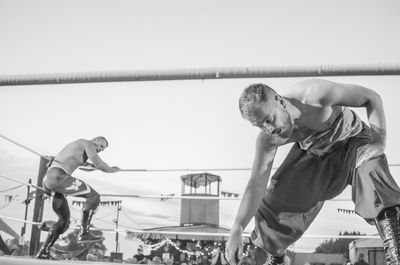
(339, 245)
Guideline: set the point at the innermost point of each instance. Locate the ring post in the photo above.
(38, 209)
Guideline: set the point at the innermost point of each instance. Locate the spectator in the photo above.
(166, 254)
(218, 257)
(204, 260)
(182, 258)
(361, 260)
(140, 258)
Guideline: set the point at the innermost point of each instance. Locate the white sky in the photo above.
(176, 124)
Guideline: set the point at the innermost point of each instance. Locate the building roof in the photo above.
(200, 179)
(188, 232)
(368, 243)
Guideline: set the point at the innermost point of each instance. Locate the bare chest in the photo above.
(314, 120)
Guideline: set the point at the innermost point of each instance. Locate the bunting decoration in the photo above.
(346, 211)
(165, 198)
(5, 200)
(102, 203)
(229, 194)
(148, 247)
(171, 243)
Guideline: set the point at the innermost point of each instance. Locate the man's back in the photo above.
(72, 155)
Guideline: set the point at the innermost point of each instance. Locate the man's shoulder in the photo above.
(311, 91)
(82, 142)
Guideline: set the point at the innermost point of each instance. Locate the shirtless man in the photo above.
(59, 180)
(332, 149)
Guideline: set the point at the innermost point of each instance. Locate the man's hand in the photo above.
(115, 169)
(368, 151)
(235, 242)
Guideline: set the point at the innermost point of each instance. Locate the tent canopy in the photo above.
(214, 233)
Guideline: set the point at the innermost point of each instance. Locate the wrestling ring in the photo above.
(177, 74)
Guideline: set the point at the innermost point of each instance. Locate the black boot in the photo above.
(84, 235)
(44, 252)
(388, 225)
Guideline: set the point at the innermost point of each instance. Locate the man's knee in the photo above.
(61, 225)
(92, 201)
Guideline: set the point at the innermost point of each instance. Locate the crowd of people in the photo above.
(169, 255)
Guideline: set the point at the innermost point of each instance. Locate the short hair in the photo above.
(252, 95)
(102, 138)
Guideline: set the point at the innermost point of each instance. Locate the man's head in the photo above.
(139, 251)
(266, 109)
(361, 256)
(100, 142)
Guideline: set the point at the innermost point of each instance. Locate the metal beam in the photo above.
(202, 74)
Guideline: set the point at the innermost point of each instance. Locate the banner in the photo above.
(5, 200)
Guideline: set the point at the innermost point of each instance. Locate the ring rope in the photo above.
(202, 74)
(152, 196)
(12, 188)
(20, 145)
(22, 182)
(188, 233)
(19, 220)
(150, 170)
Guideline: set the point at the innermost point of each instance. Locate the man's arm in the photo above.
(256, 186)
(97, 161)
(329, 93)
(254, 192)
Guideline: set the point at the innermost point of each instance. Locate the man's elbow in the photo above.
(373, 98)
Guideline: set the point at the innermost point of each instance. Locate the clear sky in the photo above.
(176, 124)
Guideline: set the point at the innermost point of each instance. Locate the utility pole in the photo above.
(27, 201)
(116, 230)
(38, 209)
